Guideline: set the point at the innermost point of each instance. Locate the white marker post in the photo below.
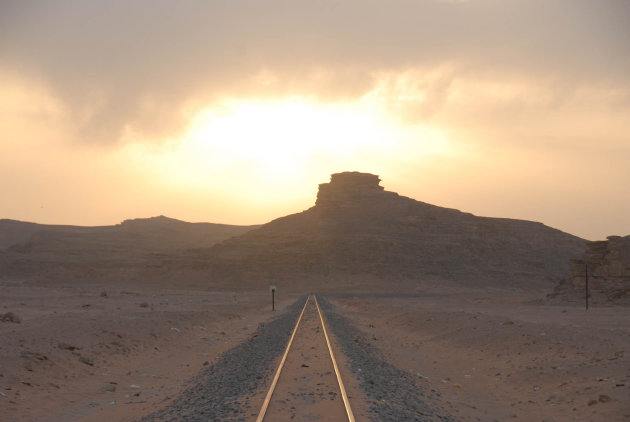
(272, 289)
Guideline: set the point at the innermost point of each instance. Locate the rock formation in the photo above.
(345, 188)
(358, 237)
(607, 263)
(358, 231)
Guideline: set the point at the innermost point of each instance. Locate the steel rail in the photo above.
(346, 402)
(344, 395)
(263, 409)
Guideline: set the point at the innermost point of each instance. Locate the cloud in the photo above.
(148, 66)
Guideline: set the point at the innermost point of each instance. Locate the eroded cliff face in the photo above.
(610, 259)
(608, 265)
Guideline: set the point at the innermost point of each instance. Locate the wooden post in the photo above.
(586, 284)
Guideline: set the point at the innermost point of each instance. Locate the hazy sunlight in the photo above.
(283, 135)
(274, 139)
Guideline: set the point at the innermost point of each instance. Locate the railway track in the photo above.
(307, 384)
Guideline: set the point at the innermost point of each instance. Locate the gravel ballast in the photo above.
(393, 395)
(221, 392)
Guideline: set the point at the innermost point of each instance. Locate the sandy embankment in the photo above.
(82, 356)
(497, 358)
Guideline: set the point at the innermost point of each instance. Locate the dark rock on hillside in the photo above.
(608, 265)
(358, 233)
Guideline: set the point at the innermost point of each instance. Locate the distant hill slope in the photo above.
(358, 231)
(155, 234)
(29, 249)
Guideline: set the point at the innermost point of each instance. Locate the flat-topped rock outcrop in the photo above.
(348, 187)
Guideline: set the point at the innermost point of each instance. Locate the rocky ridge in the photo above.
(358, 235)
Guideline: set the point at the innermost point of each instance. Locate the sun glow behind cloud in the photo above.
(284, 143)
(431, 134)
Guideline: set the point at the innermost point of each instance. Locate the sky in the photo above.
(234, 111)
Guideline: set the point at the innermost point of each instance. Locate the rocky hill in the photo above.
(357, 237)
(607, 263)
(360, 235)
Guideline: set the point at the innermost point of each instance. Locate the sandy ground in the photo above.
(497, 357)
(81, 355)
(78, 355)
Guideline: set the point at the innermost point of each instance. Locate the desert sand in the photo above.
(494, 357)
(97, 355)
(81, 355)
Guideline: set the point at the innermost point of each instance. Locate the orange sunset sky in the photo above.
(234, 111)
